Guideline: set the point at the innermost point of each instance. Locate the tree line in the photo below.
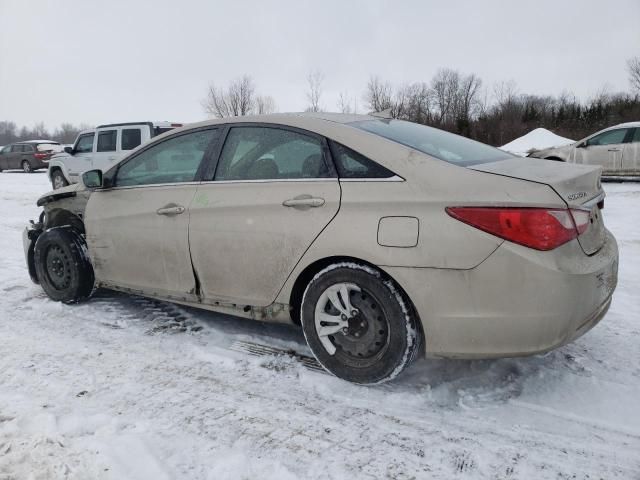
(456, 102)
(452, 100)
(65, 133)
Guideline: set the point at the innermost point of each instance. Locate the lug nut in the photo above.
(345, 330)
(354, 313)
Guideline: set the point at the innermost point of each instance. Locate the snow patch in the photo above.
(538, 139)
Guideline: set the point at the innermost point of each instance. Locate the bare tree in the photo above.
(633, 65)
(314, 79)
(67, 133)
(344, 103)
(505, 93)
(40, 131)
(265, 104)
(445, 86)
(467, 97)
(238, 99)
(378, 95)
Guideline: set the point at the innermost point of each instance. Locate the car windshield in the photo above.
(432, 141)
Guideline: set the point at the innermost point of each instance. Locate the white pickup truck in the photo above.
(100, 148)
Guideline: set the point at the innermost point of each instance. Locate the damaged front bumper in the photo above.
(29, 237)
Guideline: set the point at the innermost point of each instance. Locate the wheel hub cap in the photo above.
(350, 320)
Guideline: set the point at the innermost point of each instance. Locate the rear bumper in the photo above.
(517, 302)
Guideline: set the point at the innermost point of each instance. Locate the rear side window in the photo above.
(174, 160)
(85, 143)
(636, 136)
(27, 148)
(131, 138)
(261, 153)
(351, 164)
(437, 143)
(107, 141)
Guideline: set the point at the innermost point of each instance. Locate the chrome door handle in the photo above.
(614, 149)
(171, 210)
(304, 202)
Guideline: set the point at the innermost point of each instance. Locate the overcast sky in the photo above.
(110, 60)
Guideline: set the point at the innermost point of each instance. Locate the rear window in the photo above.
(131, 138)
(437, 143)
(50, 147)
(107, 141)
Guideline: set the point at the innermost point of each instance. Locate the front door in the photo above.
(272, 194)
(631, 155)
(80, 161)
(138, 230)
(604, 149)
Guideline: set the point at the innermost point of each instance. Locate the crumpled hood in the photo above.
(64, 192)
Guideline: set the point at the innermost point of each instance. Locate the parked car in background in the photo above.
(101, 148)
(29, 155)
(383, 239)
(616, 149)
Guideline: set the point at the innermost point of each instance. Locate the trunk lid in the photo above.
(578, 185)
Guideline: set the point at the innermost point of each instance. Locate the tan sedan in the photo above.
(383, 239)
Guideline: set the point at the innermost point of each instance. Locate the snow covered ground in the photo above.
(126, 388)
(537, 139)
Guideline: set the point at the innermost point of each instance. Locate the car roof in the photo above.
(161, 123)
(627, 125)
(292, 119)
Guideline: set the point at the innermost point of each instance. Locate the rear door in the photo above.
(604, 149)
(273, 192)
(28, 149)
(80, 161)
(106, 151)
(138, 230)
(631, 154)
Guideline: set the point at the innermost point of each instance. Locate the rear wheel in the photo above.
(58, 180)
(26, 166)
(358, 325)
(62, 266)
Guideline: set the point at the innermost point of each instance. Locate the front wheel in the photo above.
(358, 325)
(26, 166)
(62, 265)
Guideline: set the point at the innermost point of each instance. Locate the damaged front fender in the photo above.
(29, 238)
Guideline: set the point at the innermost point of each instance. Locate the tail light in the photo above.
(41, 156)
(538, 228)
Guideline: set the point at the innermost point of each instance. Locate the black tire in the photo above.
(56, 177)
(26, 166)
(62, 265)
(382, 336)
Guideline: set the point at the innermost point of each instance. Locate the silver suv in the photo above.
(616, 149)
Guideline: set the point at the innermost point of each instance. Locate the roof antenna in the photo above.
(386, 113)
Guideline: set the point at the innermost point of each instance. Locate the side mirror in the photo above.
(582, 145)
(92, 179)
(69, 150)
